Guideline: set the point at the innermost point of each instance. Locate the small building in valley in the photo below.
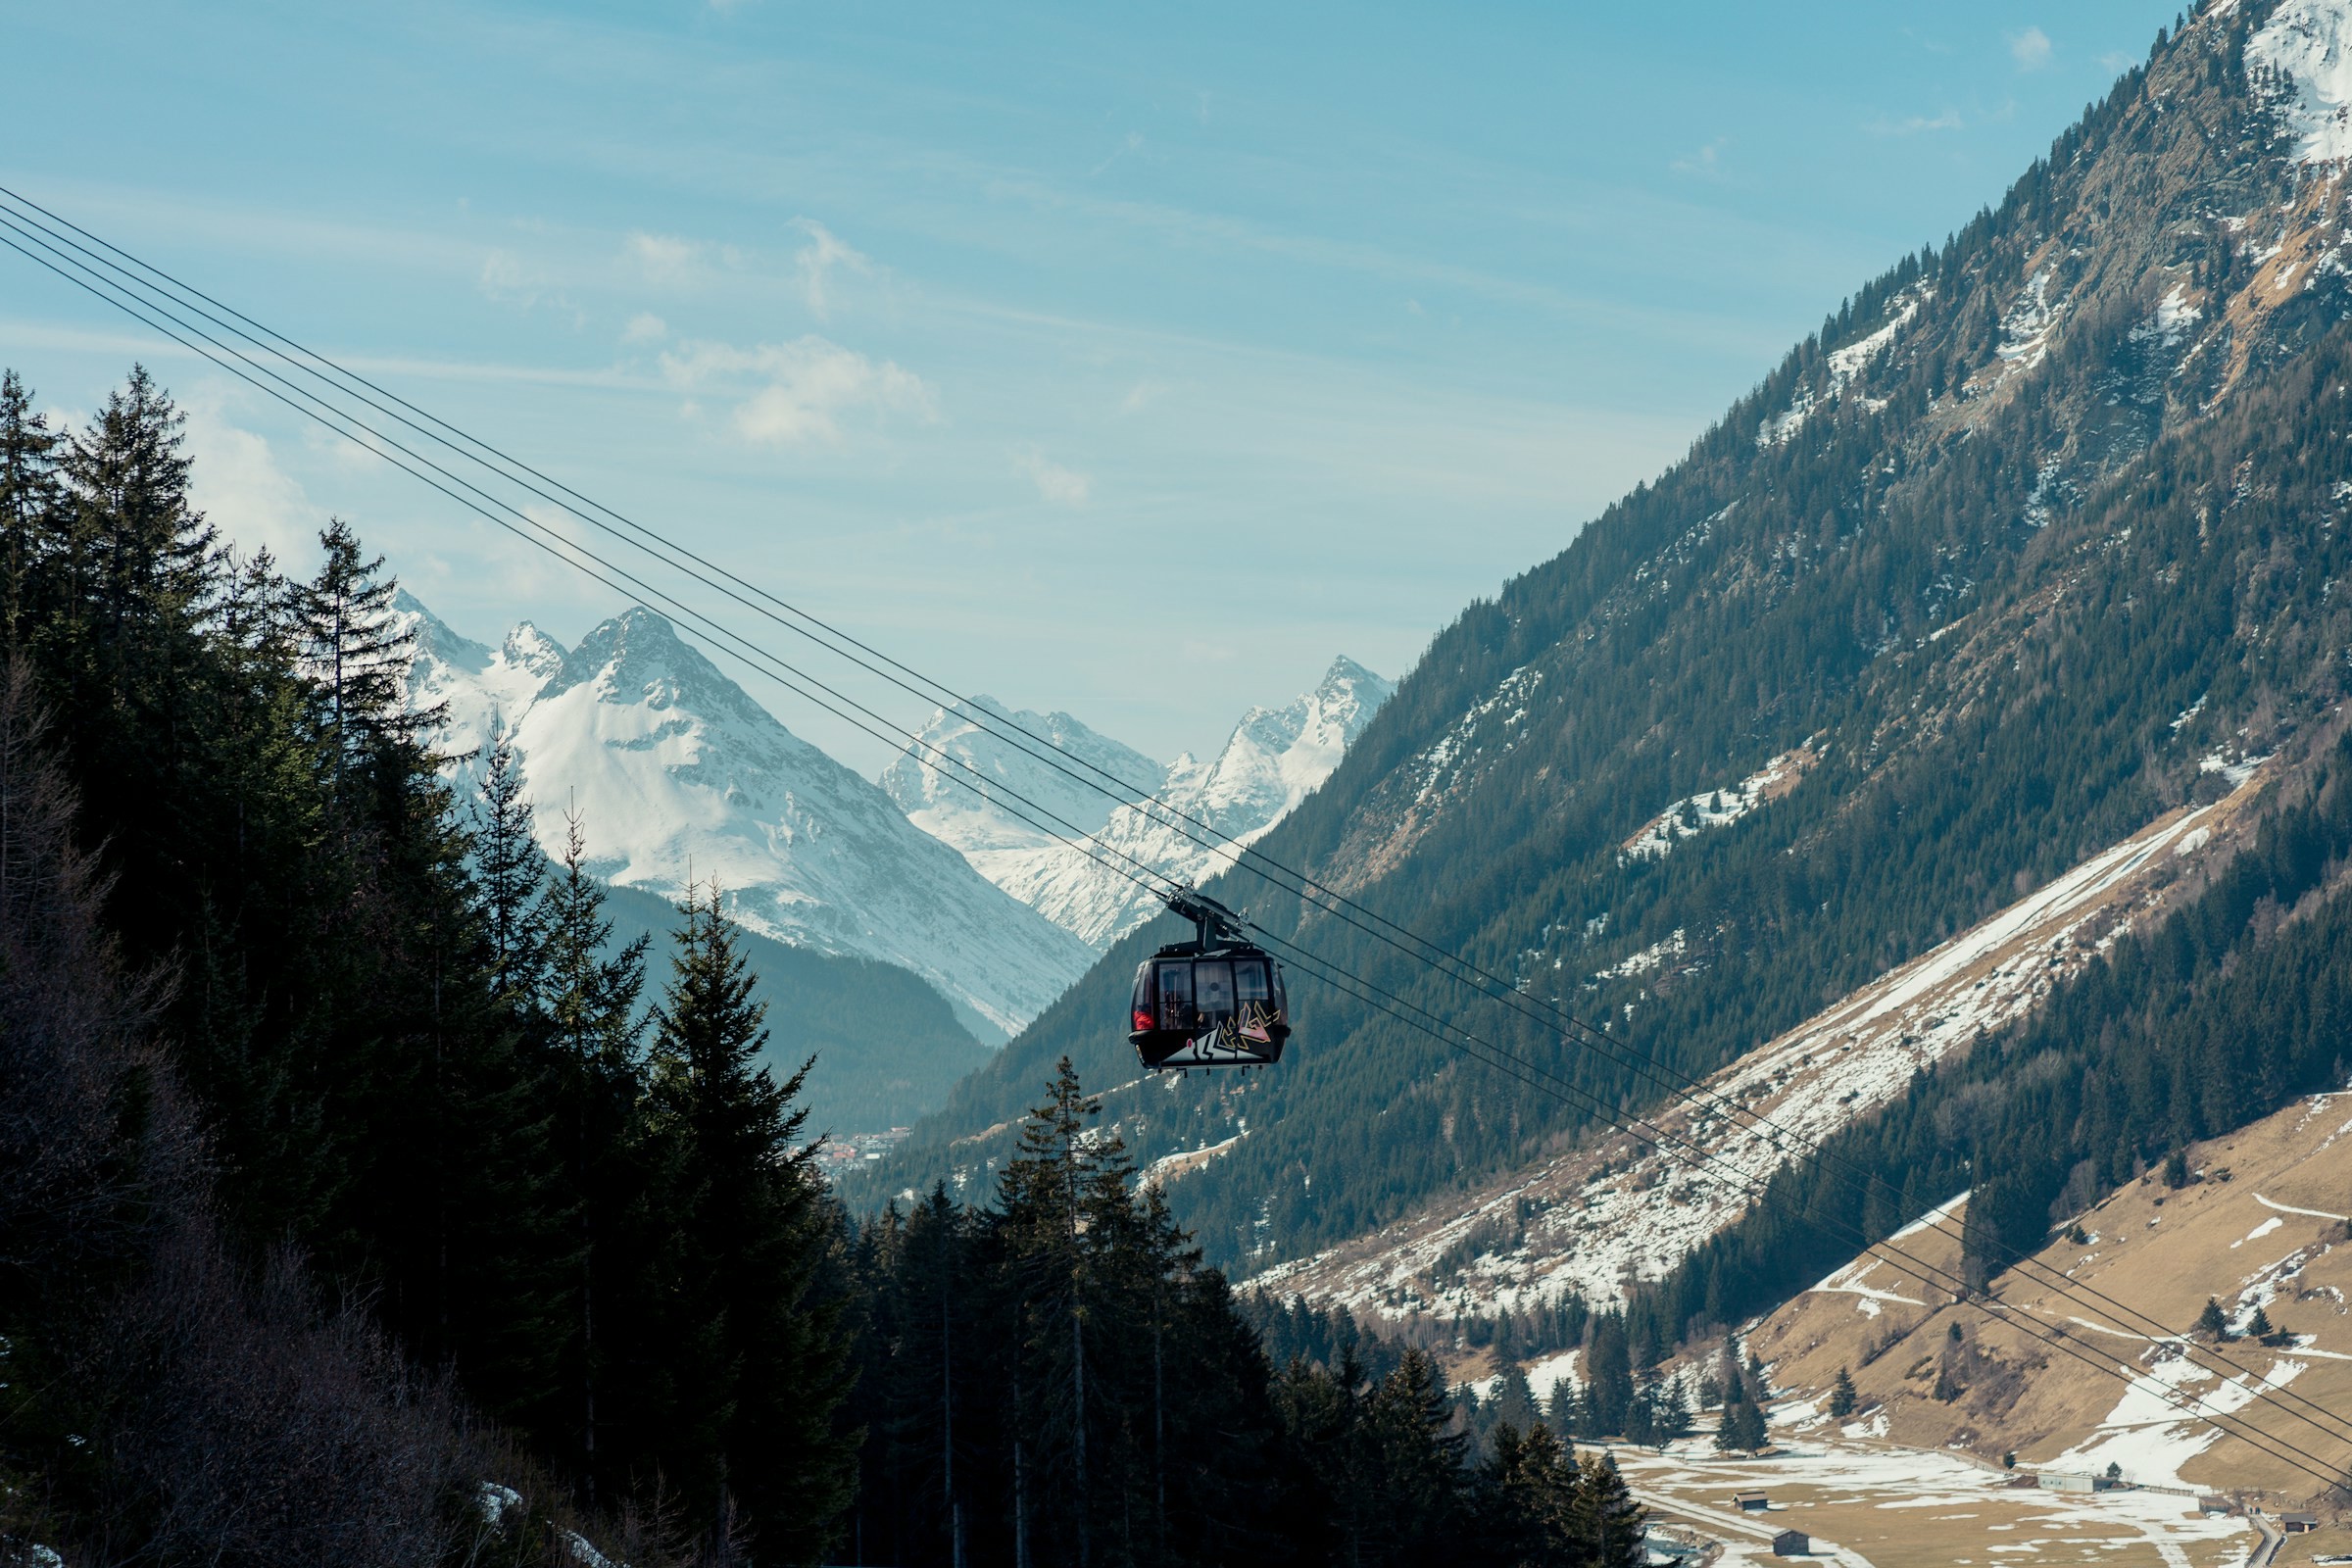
(1792, 1544)
(2296, 1524)
(1750, 1501)
(2056, 1481)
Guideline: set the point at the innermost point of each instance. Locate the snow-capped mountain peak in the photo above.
(680, 775)
(1274, 757)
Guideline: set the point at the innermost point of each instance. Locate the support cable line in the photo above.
(1461, 970)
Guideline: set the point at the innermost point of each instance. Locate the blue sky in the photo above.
(1132, 361)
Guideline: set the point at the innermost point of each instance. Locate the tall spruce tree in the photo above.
(766, 1358)
(29, 501)
(1606, 1523)
(575, 1007)
(1524, 1501)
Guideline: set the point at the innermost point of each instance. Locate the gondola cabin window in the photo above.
(1213, 985)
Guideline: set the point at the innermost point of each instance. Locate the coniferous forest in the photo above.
(363, 1200)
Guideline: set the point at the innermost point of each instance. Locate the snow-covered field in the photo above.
(1628, 1208)
(1873, 1505)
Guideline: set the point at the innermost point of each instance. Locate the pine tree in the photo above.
(2259, 1325)
(1742, 1428)
(1673, 1415)
(766, 1360)
(512, 873)
(1605, 1523)
(29, 500)
(1841, 1395)
(1514, 1402)
(1562, 1410)
(1524, 1501)
(2213, 1320)
(1412, 1465)
(139, 559)
(579, 1019)
(1609, 1392)
(358, 651)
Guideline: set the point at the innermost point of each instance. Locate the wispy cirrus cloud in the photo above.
(1707, 162)
(824, 256)
(2032, 49)
(800, 393)
(1917, 125)
(1056, 484)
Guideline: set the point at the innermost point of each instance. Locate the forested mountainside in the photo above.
(368, 1196)
(886, 1045)
(2037, 539)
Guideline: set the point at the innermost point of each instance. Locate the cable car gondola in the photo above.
(1214, 1001)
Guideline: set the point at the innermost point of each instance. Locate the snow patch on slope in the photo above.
(1630, 1207)
(1693, 814)
(1845, 366)
(2302, 57)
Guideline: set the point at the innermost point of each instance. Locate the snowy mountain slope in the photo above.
(1271, 762)
(679, 775)
(1027, 862)
(1591, 1219)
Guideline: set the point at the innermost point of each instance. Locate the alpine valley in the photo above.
(864, 907)
(1829, 995)
(1945, 760)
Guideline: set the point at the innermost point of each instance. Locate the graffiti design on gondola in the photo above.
(1214, 1001)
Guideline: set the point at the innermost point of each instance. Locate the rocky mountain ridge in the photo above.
(1270, 762)
(678, 774)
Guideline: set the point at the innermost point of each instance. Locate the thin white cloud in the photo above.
(798, 393)
(1060, 486)
(819, 260)
(509, 279)
(664, 260)
(237, 483)
(1915, 124)
(2031, 49)
(1132, 142)
(1707, 162)
(645, 327)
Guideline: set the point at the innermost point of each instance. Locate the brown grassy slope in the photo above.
(2157, 1251)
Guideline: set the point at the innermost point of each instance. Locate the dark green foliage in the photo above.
(1841, 1395)
(1605, 1523)
(883, 1039)
(417, 1064)
(2175, 1170)
(757, 1366)
(1058, 1377)
(1526, 1496)
(2213, 1320)
(1607, 1395)
(1742, 1428)
(2220, 1015)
